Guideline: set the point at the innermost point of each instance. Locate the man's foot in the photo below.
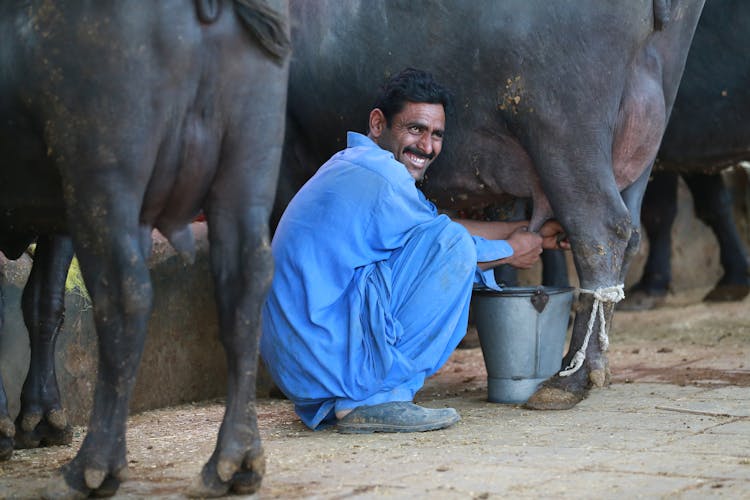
(396, 416)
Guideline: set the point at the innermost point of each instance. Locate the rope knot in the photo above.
(611, 294)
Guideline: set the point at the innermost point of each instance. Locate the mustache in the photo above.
(413, 150)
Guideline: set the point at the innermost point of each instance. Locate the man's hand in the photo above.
(553, 236)
(526, 248)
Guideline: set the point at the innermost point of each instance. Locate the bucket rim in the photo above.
(522, 291)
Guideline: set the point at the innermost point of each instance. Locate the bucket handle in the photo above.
(539, 300)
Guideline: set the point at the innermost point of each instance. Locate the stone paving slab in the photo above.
(631, 449)
(621, 442)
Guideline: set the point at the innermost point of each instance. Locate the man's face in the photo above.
(415, 136)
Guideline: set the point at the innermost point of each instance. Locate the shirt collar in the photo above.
(354, 139)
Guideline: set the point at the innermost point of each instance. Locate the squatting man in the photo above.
(372, 286)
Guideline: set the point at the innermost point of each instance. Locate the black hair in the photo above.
(411, 85)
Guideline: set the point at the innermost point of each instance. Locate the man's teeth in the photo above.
(418, 160)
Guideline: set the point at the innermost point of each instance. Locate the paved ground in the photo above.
(674, 424)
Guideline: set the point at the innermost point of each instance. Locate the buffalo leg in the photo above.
(600, 248)
(111, 255)
(603, 245)
(42, 419)
(713, 205)
(238, 212)
(603, 248)
(657, 214)
(554, 269)
(633, 197)
(7, 430)
(569, 386)
(243, 267)
(6, 426)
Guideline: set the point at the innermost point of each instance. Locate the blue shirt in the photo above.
(359, 208)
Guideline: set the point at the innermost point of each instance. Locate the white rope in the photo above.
(609, 294)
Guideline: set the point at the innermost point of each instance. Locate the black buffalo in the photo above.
(563, 102)
(120, 117)
(708, 131)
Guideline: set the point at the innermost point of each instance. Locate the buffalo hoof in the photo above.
(642, 300)
(561, 393)
(6, 438)
(75, 481)
(600, 377)
(727, 293)
(58, 488)
(552, 398)
(6, 448)
(245, 481)
(34, 430)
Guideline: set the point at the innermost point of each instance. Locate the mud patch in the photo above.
(683, 375)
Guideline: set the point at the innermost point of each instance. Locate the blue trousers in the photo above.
(407, 315)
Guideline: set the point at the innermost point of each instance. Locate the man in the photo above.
(372, 287)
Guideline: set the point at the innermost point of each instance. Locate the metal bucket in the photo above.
(522, 334)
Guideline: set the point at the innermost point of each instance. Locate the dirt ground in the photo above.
(686, 343)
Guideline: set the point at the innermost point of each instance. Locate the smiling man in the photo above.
(372, 286)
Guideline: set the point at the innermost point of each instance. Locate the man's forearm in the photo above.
(491, 230)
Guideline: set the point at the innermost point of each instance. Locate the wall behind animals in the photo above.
(183, 359)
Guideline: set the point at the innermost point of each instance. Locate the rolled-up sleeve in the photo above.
(489, 250)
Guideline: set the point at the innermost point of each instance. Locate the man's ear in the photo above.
(377, 123)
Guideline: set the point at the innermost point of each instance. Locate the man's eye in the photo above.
(416, 129)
